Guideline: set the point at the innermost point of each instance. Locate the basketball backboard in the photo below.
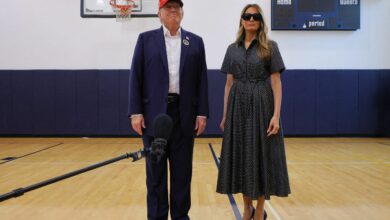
(103, 9)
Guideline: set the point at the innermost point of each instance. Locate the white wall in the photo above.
(50, 34)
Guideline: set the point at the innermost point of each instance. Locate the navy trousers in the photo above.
(179, 153)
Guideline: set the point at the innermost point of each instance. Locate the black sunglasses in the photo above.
(248, 16)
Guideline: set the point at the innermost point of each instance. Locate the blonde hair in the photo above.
(264, 47)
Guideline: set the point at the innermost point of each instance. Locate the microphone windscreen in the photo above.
(162, 125)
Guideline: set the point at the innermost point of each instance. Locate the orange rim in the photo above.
(112, 3)
(124, 9)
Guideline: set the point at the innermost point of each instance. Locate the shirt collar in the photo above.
(168, 34)
(242, 41)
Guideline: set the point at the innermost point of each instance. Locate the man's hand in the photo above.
(200, 125)
(137, 122)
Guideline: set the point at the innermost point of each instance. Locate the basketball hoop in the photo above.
(122, 9)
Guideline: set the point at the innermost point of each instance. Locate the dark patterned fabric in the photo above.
(252, 163)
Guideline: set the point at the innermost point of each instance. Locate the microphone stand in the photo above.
(20, 191)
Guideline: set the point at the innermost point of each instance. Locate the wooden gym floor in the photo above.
(331, 178)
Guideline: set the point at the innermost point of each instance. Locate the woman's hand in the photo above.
(273, 126)
(222, 124)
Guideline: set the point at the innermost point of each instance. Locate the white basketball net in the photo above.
(122, 9)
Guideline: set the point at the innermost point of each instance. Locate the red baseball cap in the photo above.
(161, 3)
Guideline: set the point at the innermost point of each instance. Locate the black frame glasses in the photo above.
(248, 16)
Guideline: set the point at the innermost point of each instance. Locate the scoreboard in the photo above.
(315, 14)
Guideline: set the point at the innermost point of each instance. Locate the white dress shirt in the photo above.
(173, 47)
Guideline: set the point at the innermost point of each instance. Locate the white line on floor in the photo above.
(274, 212)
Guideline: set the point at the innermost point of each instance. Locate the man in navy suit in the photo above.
(169, 75)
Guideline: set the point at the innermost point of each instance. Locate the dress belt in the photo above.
(173, 98)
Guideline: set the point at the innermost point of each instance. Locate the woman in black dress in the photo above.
(253, 159)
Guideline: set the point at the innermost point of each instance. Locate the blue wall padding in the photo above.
(44, 89)
(304, 94)
(326, 102)
(347, 87)
(5, 100)
(65, 103)
(108, 103)
(217, 82)
(369, 103)
(384, 108)
(22, 102)
(94, 102)
(87, 102)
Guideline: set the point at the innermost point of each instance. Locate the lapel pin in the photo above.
(185, 42)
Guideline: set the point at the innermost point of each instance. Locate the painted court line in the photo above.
(274, 212)
(233, 203)
(26, 155)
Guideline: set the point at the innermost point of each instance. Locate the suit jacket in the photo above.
(149, 79)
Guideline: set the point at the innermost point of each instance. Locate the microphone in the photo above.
(162, 125)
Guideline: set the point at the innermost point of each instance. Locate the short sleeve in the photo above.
(277, 64)
(227, 62)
